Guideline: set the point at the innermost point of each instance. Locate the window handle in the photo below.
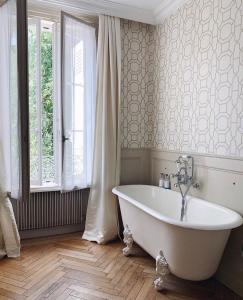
(64, 138)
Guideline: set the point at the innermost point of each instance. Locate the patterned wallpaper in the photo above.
(198, 85)
(137, 84)
(184, 91)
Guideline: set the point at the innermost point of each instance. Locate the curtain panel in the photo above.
(9, 130)
(78, 101)
(101, 219)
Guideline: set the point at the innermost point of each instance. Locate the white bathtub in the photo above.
(192, 248)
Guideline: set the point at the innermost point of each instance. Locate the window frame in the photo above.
(66, 138)
(58, 107)
(38, 185)
(23, 96)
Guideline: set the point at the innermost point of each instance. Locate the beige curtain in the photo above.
(9, 236)
(101, 219)
(9, 159)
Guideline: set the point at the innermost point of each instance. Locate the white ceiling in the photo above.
(144, 4)
(146, 11)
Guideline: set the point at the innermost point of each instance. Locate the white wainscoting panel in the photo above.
(135, 166)
(220, 178)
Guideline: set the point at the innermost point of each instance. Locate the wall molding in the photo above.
(211, 172)
(97, 7)
(153, 17)
(143, 166)
(135, 166)
(166, 8)
(216, 162)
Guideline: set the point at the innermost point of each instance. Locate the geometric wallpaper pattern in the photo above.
(137, 84)
(198, 86)
(188, 91)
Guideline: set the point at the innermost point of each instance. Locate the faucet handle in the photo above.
(196, 185)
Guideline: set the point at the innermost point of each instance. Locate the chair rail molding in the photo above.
(219, 162)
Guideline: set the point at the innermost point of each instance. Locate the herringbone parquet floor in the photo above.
(67, 267)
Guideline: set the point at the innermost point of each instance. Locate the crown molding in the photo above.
(166, 8)
(98, 7)
(108, 7)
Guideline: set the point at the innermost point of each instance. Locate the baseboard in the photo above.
(36, 233)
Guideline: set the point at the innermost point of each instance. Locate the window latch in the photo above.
(64, 138)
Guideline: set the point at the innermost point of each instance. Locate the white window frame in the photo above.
(57, 112)
(38, 185)
(70, 180)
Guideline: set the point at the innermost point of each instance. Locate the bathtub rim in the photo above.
(235, 223)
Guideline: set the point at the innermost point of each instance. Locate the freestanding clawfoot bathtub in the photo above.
(191, 249)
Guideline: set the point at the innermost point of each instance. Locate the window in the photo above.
(61, 158)
(78, 88)
(43, 104)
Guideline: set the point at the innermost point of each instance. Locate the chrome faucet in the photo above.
(184, 176)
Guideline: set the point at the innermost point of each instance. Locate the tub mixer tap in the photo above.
(184, 176)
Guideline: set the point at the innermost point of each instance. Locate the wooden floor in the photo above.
(66, 267)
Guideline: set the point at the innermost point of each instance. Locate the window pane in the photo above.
(48, 165)
(78, 153)
(79, 45)
(42, 103)
(33, 105)
(78, 107)
(78, 63)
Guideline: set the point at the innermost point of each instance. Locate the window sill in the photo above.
(38, 189)
(41, 189)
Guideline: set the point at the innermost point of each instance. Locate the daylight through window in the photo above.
(43, 104)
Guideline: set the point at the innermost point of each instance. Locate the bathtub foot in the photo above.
(162, 269)
(128, 240)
